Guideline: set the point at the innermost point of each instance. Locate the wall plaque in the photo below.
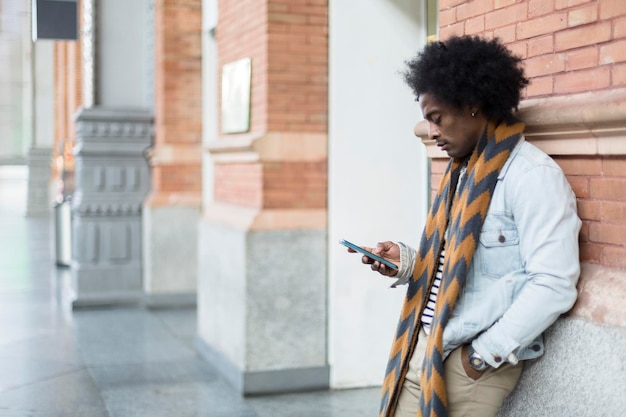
(236, 96)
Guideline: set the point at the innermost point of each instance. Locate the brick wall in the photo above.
(242, 32)
(297, 65)
(570, 48)
(288, 43)
(600, 185)
(68, 90)
(67, 100)
(568, 45)
(176, 162)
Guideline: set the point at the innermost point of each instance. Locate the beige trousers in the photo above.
(466, 397)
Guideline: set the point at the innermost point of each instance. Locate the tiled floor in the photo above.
(55, 362)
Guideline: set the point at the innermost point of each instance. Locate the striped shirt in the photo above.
(429, 310)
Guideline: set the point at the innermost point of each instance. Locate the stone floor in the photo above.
(55, 362)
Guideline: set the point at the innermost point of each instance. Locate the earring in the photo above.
(473, 114)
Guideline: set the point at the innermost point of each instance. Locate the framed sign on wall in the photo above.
(236, 96)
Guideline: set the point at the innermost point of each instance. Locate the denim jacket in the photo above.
(524, 271)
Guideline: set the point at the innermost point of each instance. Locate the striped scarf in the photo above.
(465, 213)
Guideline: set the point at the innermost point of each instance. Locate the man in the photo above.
(498, 259)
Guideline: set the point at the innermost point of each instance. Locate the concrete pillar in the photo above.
(15, 82)
(112, 179)
(262, 237)
(113, 133)
(40, 189)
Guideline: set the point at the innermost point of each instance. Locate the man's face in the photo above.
(455, 130)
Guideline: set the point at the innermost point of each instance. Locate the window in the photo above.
(432, 20)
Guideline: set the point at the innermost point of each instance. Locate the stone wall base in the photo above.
(265, 382)
(262, 306)
(170, 255)
(582, 373)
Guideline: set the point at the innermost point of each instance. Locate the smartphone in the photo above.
(368, 254)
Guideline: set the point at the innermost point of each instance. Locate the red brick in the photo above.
(589, 209)
(540, 7)
(541, 25)
(545, 64)
(309, 10)
(451, 30)
(289, 18)
(612, 8)
(273, 8)
(580, 185)
(582, 58)
(619, 28)
(506, 34)
(177, 178)
(540, 45)
(238, 184)
(518, 48)
(475, 25)
(607, 233)
(614, 213)
(610, 189)
(580, 166)
(614, 257)
(614, 166)
(614, 52)
(584, 80)
(498, 4)
(318, 20)
(447, 17)
(582, 36)
(582, 15)
(472, 8)
(438, 166)
(506, 16)
(294, 185)
(563, 4)
(540, 86)
(591, 253)
(618, 75)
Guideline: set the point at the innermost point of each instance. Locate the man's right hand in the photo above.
(387, 250)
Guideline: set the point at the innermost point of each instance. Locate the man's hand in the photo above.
(469, 371)
(387, 250)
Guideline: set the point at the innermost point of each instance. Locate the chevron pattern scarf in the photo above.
(464, 214)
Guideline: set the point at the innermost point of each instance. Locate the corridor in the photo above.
(117, 362)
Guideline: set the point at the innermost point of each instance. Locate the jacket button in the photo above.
(497, 359)
(536, 348)
(501, 239)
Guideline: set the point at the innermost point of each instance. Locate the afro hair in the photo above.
(466, 70)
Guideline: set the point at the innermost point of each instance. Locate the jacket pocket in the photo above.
(499, 247)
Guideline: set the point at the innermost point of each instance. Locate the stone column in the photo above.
(112, 179)
(39, 158)
(262, 237)
(113, 133)
(37, 111)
